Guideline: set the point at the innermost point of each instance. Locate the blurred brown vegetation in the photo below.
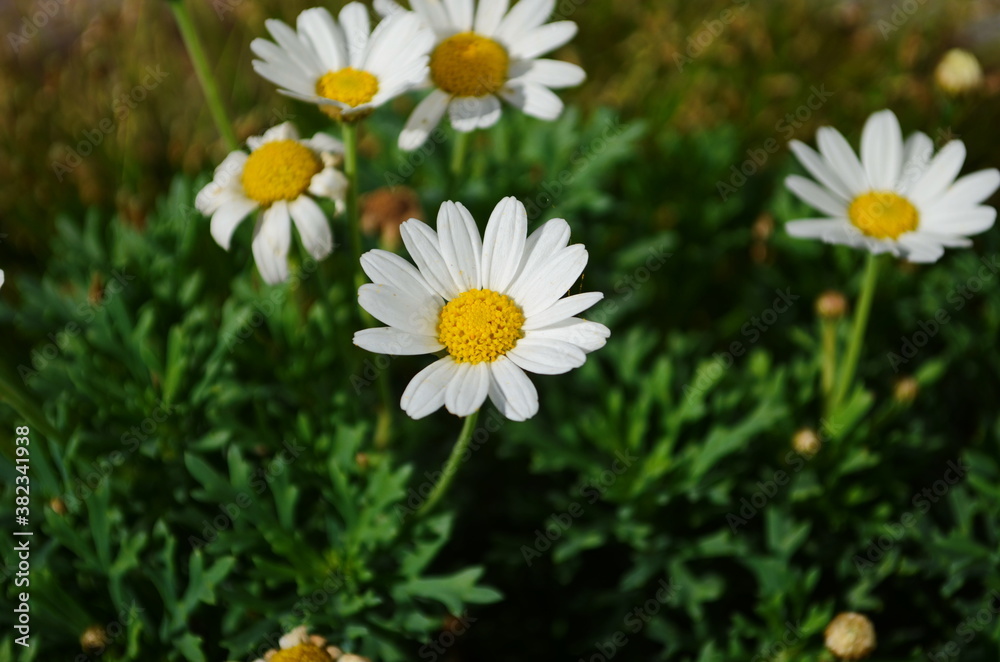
(114, 77)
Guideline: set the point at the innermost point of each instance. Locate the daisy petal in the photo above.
(504, 243)
(425, 393)
(562, 309)
(434, 13)
(940, 174)
(542, 40)
(826, 229)
(545, 356)
(525, 16)
(399, 309)
(422, 243)
(842, 160)
(919, 248)
(533, 99)
(357, 29)
(543, 243)
(228, 217)
(461, 246)
(312, 226)
(271, 243)
(460, 12)
(882, 150)
(917, 153)
(489, 15)
(329, 183)
(467, 389)
(820, 169)
(471, 113)
(553, 74)
(385, 268)
(512, 391)
(968, 191)
(319, 28)
(960, 221)
(423, 120)
(395, 342)
(588, 336)
(552, 280)
(813, 194)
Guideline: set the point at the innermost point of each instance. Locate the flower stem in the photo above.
(858, 331)
(457, 168)
(828, 332)
(204, 73)
(350, 134)
(451, 468)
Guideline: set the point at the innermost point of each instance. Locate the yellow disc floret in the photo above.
(883, 214)
(279, 170)
(301, 653)
(349, 86)
(480, 326)
(469, 65)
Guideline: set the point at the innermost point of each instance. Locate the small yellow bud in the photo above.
(850, 636)
(831, 305)
(905, 390)
(958, 72)
(806, 442)
(94, 640)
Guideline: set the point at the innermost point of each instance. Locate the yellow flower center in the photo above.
(480, 326)
(468, 65)
(883, 214)
(348, 86)
(279, 170)
(301, 653)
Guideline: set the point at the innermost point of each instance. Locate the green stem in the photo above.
(197, 53)
(458, 160)
(451, 468)
(828, 331)
(350, 134)
(861, 313)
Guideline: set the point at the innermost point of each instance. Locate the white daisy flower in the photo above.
(343, 66)
(493, 305)
(281, 175)
(898, 198)
(485, 54)
(299, 646)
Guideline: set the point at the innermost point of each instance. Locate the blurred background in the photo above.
(99, 105)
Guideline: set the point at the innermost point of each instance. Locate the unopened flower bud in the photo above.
(850, 636)
(831, 305)
(906, 390)
(94, 640)
(806, 442)
(58, 506)
(958, 72)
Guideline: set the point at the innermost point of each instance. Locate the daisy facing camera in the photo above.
(493, 307)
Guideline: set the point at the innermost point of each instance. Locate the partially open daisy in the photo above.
(898, 198)
(299, 646)
(485, 54)
(343, 66)
(493, 306)
(281, 175)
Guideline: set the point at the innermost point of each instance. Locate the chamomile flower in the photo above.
(493, 307)
(484, 54)
(898, 198)
(342, 65)
(299, 646)
(280, 176)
